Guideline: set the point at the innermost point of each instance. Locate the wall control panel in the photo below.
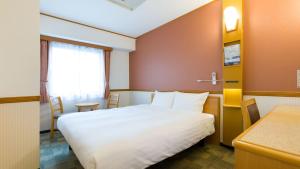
(298, 78)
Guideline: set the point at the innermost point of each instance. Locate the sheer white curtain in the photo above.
(76, 72)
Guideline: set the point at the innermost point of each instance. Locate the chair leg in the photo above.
(52, 129)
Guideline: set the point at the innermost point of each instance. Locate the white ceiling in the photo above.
(106, 15)
(129, 4)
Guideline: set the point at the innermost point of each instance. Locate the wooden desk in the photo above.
(271, 143)
(90, 106)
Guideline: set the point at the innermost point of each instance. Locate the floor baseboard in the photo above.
(224, 145)
(46, 131)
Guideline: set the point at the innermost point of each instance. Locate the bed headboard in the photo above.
(212, 106)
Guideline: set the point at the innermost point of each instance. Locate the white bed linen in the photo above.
(133, 137)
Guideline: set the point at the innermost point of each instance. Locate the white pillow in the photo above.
(189, 102)
(163, 99)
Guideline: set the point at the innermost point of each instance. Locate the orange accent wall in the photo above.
(175, 55)
(272, 45)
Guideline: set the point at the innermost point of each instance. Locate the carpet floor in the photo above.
(55, 154)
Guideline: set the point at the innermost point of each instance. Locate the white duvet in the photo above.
(132, 137)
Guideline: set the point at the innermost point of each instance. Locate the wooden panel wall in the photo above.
(19, 143)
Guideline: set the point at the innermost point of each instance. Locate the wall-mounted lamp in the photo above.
(231, 18)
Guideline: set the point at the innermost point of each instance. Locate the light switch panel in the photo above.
(298, 78)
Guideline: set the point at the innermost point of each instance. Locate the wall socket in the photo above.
(298, 78)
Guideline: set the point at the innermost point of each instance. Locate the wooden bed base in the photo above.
(212, 106)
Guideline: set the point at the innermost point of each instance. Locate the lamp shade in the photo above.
(231, 17)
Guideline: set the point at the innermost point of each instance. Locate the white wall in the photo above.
(124, 98)
(119, 69)
(59, 28)
(45, 117)
(19, 49)
(140, 97)
(266, 103)
(19, 72)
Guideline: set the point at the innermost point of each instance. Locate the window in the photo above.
(76, 72)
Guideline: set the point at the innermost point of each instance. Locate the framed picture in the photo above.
(232, 53)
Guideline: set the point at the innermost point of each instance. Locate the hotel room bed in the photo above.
(132, 137)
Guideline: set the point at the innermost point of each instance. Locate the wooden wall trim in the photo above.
(86, 25)
(19, 99)
(185, 91)
(251, 93)
(119, 90)
(273, 93)
(50, 38)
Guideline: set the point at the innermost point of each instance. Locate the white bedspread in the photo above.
(133, 137)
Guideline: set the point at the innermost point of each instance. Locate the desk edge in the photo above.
(268, 152)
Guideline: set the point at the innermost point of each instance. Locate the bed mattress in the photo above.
(132, 137)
